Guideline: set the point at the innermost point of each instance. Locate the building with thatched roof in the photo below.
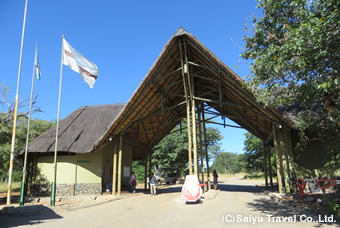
(185, 82)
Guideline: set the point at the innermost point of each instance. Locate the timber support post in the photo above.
(193, 109)
(146, 172)
(114, 172)
(265, 163)
(188, 107)
(120, 165)
(206, 148)
(278, 156)
(201, 144)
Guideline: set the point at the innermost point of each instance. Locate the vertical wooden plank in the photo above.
(146, 171)
(150, 166)
(188, 109)
(277, 151)
(120, 165)
(206, 148)
(201, 144)
(270, 168)
(114, 172)
(265, 163)
(284, 157)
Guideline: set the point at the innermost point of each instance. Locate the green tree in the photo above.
(227, 162)
(295, 59)
(171, 154)
(253, 154)
(37, 127)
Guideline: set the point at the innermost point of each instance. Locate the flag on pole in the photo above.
(74, 60)
(36, 63)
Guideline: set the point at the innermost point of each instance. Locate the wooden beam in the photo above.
(199, 109)
(188, 110)
(120, 165)
(145, 171)
(265, 163)
(193, 112)
(114, 167)
(270, 168)
(206, 148)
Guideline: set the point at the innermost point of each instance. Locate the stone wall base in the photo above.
(67, 189)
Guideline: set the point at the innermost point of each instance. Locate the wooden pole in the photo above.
(265, 163)
(193, 109)
(270, 168)
(145, 171)
(277, 149)
(120, 165)
(11, 159)
(150, 166)
(201, 144)
(114, 172)
(206, 148)
(285, 158)
(188, 109)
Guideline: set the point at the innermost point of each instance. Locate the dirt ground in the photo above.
(238, 203)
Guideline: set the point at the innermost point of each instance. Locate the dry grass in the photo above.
(4, 186)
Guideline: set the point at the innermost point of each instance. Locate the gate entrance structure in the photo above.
(187, 81)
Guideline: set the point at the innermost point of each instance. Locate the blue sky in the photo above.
(123, 38)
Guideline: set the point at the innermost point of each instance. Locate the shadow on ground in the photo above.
(288, 208)
(26, 215)
(239, 188)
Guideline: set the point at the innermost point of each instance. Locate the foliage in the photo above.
(253, 155)
(227, 162)
(37, 127)
(171, 154)
(139, 168)
(295, 57)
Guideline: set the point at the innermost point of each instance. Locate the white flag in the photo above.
(74, 60)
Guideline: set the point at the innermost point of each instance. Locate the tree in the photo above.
(227, 162)
(253, 154)
(295, 54)
(171, 154)
(6, 123)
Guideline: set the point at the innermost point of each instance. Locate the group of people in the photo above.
(153, 181)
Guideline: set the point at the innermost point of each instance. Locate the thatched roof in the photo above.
(158, 104)
(79, 131)
(142, 118)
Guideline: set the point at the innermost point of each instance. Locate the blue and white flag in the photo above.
(36, 62)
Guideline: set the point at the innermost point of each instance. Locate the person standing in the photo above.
(152, 182)
(133, 182)
(215, 179)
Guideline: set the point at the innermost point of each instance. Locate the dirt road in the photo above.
(239, 204)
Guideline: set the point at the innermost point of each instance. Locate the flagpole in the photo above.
(23, 183)
(10, 171)
(52, 201)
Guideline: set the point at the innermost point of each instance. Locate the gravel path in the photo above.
(239, 203)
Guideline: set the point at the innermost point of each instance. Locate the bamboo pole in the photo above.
(146, 171)
(150, 166)
(120, 165)
(206, 147)
(11, 159)
(270, 168)
(265, 163)
(188, 109)
(193, 109)
(114, 167)
(201, 144)
(277, 148)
